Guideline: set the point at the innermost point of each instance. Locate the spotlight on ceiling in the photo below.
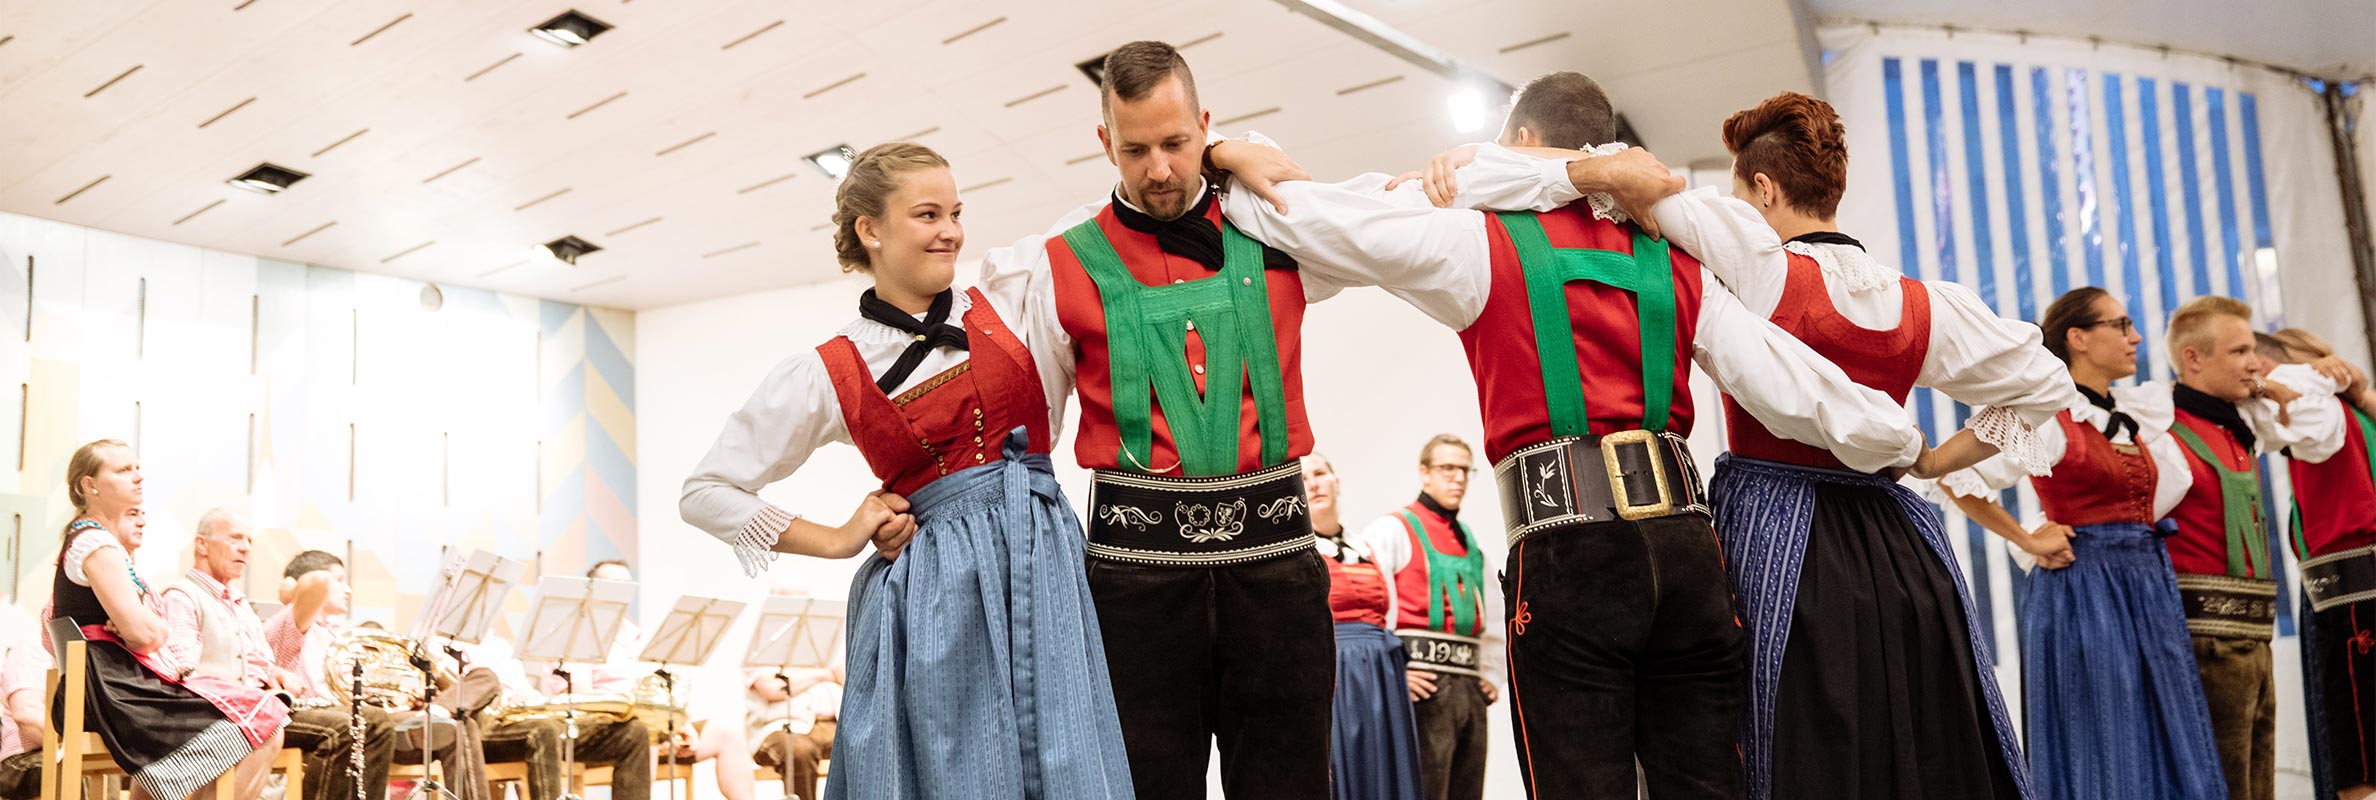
(833, 161)
(1093, 69)
(567, 249)
(1468, 108)
(570, 29)
(268, 178)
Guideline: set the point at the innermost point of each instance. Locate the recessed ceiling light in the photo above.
(1467, 106)
(268, 178)
(567, 249)
(570, 29)
(833, 161)
(1095, 70)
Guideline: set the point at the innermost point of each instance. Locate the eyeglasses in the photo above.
(1453, 470)
(2125, 324)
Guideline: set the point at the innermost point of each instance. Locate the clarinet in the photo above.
(355, 732)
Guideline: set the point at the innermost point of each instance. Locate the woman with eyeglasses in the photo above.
(2113, 705)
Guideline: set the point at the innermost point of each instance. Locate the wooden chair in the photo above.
(67, 749)
(772, 774)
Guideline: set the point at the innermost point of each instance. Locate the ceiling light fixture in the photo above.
(833, 161)
(1467, 105)
(570, 29)
(268, 178)
(567, 249)
(1094, 70)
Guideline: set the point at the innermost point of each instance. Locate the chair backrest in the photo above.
(61, 631)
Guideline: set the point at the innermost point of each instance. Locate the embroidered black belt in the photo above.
(1198, 522)
(2229, 607)
(1573, 480)
(1440, 652)
(2340, 578)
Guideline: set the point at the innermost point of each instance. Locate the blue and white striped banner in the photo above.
(2024, 181)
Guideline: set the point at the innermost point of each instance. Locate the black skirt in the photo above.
(1879, 698)
(168, 738)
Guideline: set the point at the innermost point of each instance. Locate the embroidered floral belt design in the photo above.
(1147, 519)
(2229, 607)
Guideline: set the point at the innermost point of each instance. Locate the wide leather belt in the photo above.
(1572, 480)
(2340, 578)
(1198, 522)
(1440, 652)
(2229, 607)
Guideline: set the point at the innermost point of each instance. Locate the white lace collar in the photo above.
(1847, 266)
(867, 331)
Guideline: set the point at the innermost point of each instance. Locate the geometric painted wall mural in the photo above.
(340, 410)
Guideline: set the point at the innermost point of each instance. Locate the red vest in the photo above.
(1884, 361)
(1098, 444)
(2098, 481)
(2200, 546)
(2337, 497)
(1608, 340)
(951, 421)
(1411, 594)
(1356, 592)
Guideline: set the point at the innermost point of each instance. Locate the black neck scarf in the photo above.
(1828, 237)
(2119, 421)
(2219, 412)
(933, 331)
(1192, 236)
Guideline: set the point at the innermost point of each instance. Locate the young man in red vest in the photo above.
(1436, 587)
(2327, 442)
(2221, 549)
(1580, 330)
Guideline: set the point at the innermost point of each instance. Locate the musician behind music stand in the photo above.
(685, 639)
(462, 607)
(575, 620)
(795, 633)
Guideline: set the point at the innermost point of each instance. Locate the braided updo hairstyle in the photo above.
(1799, 143)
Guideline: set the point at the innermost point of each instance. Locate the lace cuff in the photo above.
(1604, 205)
(1966, 483)
(2016, 441)
(754, 545)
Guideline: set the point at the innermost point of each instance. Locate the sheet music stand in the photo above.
(575, 620)
(469, 595)
(686, 638)
(795, 631)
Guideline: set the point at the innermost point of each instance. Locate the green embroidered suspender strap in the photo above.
(1456, 581)
(2239, 497)
(1147, 346)
(1648, 273)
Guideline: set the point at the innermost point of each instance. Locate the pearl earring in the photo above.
(878, 245)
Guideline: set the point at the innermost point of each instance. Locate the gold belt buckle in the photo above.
(1626, 507)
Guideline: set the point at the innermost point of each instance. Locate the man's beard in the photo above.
(1164, 206)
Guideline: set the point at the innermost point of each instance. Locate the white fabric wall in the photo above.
(2090, 127)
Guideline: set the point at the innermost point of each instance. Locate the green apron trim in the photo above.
(1147, 346)
(2239, 498)
(1648, 273)
(1456, 581)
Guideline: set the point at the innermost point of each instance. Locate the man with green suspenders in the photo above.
(2221, 550)
(1437, 593)
(1626, 662)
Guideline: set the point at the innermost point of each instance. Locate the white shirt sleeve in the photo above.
(2173, 477)
(1354, 234)
(2317, 424)
(1732, 241)
(1504, 180)
(792, 413)
(84, 546)
(1998, 473)
(2000, 366)
(1390, 546)
(1796, 393)
(1017, 280)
